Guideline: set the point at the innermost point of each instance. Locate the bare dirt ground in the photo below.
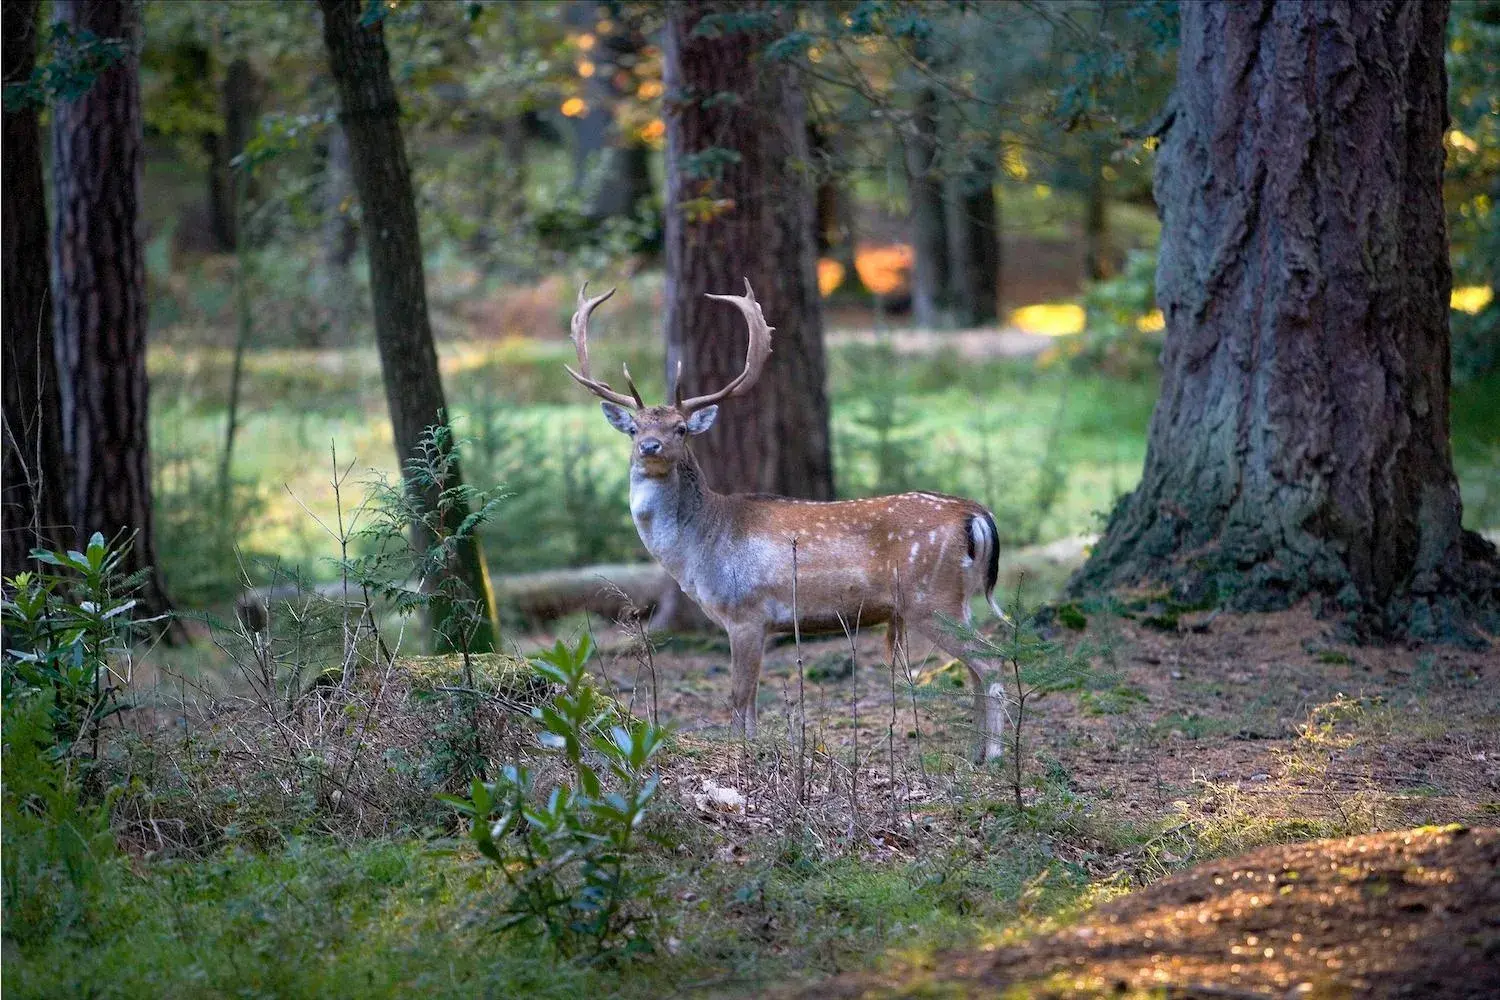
(1406, 914)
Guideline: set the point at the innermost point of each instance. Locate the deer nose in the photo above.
(650, 446)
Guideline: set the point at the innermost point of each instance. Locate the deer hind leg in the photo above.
(747, 644)
(990, 700)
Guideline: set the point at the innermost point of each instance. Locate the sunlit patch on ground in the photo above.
(1050, 319)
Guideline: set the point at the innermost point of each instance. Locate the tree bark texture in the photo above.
(35, 471)
(370, 115)
(1300, 445)
(974, 245)
(929, 230)
(740, 205)
(99, 295)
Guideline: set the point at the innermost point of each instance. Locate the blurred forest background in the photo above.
(984, 213)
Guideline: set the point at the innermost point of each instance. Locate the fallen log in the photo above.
(609, 590)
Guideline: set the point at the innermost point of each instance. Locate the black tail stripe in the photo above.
(992, 574)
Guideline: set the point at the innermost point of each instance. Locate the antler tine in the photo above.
(756, 353)
(580, 326)
(634, 392)
(677, 384)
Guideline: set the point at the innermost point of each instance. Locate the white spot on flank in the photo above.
(932, 536)
(915, 548)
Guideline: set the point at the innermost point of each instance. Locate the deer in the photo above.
(904, 561)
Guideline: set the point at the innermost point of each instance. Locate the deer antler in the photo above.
(755, 355)
(581, 342)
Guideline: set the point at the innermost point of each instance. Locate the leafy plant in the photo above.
(567, 857)
(62, 625)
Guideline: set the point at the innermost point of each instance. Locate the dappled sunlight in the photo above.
(1472, 298)
(830, 276)
(884, 269)
(1050, 319)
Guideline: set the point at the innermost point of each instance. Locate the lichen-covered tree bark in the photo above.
(99, 295)
(34, 479)
(1300, 445)
(371, 118)
(740, 205)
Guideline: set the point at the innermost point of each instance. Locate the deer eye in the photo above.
(680, 430)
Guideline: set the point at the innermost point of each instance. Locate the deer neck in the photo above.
(672, 513)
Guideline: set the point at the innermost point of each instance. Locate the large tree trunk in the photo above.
(99, 295)
(408, 358)
(929, 229)
(1300, 444)
(974, 244)
(750, 217)
(35, 510)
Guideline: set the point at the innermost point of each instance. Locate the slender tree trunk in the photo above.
(836, 227)
(408, 358)
(749, 217)
(99, 295)
(1300, 444)
(340, 240)
(1097, 262)
(35, 508)
(974, 245)
(240, 106)
(924, 184)
(623, 174)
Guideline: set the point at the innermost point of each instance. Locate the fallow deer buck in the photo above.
(901, 560)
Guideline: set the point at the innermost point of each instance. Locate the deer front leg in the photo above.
(747, 644)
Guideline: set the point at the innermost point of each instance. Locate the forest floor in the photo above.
(1216, 734)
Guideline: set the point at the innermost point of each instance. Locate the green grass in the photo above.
(1048, 451)
(387, 919)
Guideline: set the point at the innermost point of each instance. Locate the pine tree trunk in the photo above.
(99, 295)
(929, 229)
(1300, 444)
(751, 216)
(974, 245)
(35, 510)
(382, 178)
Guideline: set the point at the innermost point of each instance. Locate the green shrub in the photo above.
(63, 623)
(57, 847)
(567, 857)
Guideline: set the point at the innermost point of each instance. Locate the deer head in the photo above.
(659, 433)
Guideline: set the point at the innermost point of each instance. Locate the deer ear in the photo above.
(619, 418)
(702, 420)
